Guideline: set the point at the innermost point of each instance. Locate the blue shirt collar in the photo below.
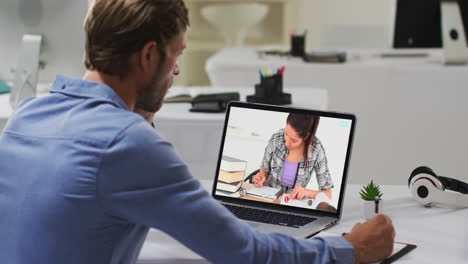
(86, 89)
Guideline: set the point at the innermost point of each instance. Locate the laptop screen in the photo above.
(284, 157)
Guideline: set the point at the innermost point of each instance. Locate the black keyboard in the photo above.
(269, 217)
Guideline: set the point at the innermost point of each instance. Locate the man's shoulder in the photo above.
(97, 122)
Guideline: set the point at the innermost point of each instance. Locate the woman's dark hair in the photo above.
(306, 126)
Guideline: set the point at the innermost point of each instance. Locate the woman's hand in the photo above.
(299, 193)
(259, 179)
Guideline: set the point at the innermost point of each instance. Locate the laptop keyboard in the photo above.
(269, 217)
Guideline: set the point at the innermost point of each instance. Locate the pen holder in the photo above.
(371, 208)
(270, 91)
(298, 45)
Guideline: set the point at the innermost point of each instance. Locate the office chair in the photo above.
(250, 176)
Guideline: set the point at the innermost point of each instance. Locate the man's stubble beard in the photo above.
(150, 97)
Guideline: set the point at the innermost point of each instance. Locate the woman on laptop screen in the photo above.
(292, 155)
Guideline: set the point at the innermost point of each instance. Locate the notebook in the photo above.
(253, 134)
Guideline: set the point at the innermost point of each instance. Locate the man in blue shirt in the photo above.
(83, 177)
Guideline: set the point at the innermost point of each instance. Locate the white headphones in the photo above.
(428, 188)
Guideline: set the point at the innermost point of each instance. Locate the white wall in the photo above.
(312, 14)
(60, 22)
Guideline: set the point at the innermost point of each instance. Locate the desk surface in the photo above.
(441, 234)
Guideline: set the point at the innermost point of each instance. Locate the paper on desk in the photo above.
(265, 192)
(397, 246)
(306, 202)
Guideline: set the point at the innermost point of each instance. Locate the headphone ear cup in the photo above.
(424, 185)
(419, 170)
(423, 189)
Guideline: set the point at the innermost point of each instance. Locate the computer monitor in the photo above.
(59, 22)
(418, 23)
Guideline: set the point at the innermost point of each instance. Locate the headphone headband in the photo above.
(454, 185)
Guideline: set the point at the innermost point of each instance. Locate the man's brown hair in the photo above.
(115, 29)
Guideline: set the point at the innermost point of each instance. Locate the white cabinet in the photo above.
(203, 40)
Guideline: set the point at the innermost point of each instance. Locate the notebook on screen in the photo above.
(265, 176)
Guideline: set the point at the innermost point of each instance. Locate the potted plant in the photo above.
(372, 203)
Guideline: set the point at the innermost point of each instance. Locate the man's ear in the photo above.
(147, 55)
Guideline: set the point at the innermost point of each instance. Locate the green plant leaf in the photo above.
(370, 192)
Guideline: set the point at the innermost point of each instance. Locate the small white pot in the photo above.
(371, 208)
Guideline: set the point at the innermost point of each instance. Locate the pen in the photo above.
(281, 70)
(261, 73)
(265, 72)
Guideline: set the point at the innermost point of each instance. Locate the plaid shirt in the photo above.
(275, 154)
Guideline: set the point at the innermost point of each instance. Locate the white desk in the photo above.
(441, 234)
(410, 111)
(196, 136)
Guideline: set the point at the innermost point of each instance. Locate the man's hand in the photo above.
(259, 179)
(372, 240)
(148, 116)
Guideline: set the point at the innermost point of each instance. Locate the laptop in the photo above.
(248, 129)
